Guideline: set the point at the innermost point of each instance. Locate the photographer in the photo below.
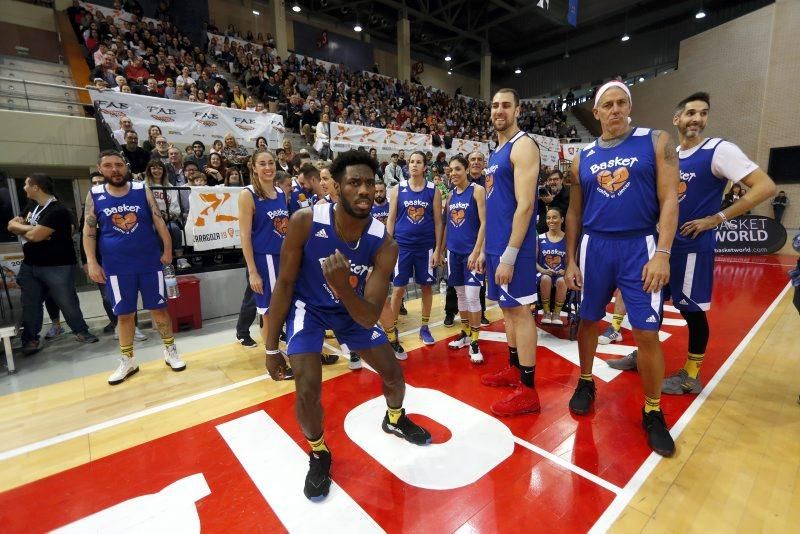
(552, 195)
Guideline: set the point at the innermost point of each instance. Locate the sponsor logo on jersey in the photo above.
(280, 221)
(123, 217)
(458, 211)
(686, 177)
(356, 274)
(323, 235)
(415, 210)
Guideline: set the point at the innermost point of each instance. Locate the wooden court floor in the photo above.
(737, 467)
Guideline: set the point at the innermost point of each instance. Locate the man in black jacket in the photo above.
(552, 195)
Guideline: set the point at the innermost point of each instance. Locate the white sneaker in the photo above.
(475, 355)
(610, 336)
(183, 264)
(127, 367)
(546, 318)
(138, 335)
(461, 342)
(172, 359)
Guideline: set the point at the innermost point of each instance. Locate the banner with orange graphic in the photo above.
(186, 122)
(351, 136)
(213, 220)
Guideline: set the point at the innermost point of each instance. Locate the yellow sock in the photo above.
(587, 376)
(546, 305)
(651, 404)
(616, 321)
(557, 309)
(693, 363)
(126, 350)
(318, 445)
(168, 340)
(476, 332)
(425, 319)
(465, 326)
(394, 414)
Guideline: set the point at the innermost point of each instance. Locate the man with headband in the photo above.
(624, 208)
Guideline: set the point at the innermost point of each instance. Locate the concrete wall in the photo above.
(751, 67)
(46, 141)
(28, 15)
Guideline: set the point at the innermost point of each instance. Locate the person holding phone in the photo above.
(552, 195)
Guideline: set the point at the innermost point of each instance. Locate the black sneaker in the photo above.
(403, 310)
(355, 362)
(329, 359)
(109, 328)
(658, 436)
(484, 321)
(318, 479)
(247, 342)
(448, 319)
(399, 351)
(289, 374)
(406, 429)
(583, 398)
(282, 337)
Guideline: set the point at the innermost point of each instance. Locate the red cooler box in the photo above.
(186, 308)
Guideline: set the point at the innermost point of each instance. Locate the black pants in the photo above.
(247, 312)
(451, 300)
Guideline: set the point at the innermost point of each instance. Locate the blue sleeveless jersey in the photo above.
(620, 198)
(463, 222)
(381, 212)
(552, 255)
(270, 221)
(501, 203)
(126, 234)
(699, 195)
(311, 286)
(414, 227)
(299, 199)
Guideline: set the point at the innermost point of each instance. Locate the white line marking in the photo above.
(568, 466)
(613, 511)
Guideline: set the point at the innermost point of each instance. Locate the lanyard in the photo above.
(34, 217)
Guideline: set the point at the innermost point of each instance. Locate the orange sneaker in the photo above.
(523, 400)
(506, 378)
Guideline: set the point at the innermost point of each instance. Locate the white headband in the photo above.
(608, 86)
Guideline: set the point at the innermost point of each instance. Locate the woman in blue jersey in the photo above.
(465, 230)
(550, 262)
(263, 221)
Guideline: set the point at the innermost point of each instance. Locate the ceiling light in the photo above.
(448, 58)
(518, 71)
(256, 13)
(641, 78)
(626, 37)
(700, 14)
(296, 8)
(357, 27)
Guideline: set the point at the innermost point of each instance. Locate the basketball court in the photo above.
(220, 446)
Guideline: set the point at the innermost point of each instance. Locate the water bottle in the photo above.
(171, 282)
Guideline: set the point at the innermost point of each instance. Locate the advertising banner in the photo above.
(213, 220)
(750, 234)
(350, 136)
(185, 122)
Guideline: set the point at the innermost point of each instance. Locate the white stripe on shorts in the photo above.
(430, 257)
(114, 282)
(271, 272)
(582, 259)
(655, 298)
(299, 319)
(688, 276)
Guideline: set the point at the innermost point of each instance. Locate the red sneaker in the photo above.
(523, 400)
(506, 378)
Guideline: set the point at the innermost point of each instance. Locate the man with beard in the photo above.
(380, 208)
(122, 217)
(338, 245)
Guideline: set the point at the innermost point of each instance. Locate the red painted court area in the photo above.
(524, 492)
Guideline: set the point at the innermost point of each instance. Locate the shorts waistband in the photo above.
(632, 234)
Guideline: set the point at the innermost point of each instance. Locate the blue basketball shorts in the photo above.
(306, 325)
(458, 274)
(691, 278)
(522, 289)
(416, 263)
(607, 264)
(123, 290)
(267, 267)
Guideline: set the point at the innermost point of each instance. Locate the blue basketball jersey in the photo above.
(299, 199)
(414, 226)
(552, 255)
(619, 187)
(270, 222)
(311, 286)
(501, 203)
(699, 195)
(381, 212)
(463, 222)
(126, 234)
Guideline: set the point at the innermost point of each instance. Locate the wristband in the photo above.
(664, 251)
(275, 352)
(509, 256)
(722, 215)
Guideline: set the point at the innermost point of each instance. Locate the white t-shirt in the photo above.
(728, 163)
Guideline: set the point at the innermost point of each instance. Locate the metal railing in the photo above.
(25, 95)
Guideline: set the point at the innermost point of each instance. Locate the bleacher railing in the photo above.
(23, 95)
